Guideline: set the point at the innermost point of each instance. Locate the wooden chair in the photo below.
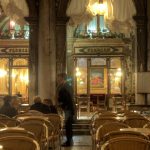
(136, 122)
(42, 129)
(108, 127)
(3, 116)
(2, 125)
(103, 113)
(116, 134)
(83, 103)
(119, 102)
(96, 124)
(147, 125)
(126, 143)
(16, 131)
(128, 113)
(57, 122)
(10, 122)
(18, 143)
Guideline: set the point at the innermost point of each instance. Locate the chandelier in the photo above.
(98, 8)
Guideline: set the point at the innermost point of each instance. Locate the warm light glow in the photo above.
(98, 8)
(1, 146)
(119, 72)
(3, 73)
(12, 24)
(78, 73)
(24, 78)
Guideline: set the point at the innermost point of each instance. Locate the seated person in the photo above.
(7, 108)
(49, 103)
(39, 106)
(15, 102)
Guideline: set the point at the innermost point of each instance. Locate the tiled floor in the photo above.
(82, 142)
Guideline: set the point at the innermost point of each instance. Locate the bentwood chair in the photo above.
(136, 122)
(106, 128)
(3, 116)
(2, 125)
(117, 134)
(10, 122)
(96, 124)
(42, 129)
(126, 143)
(18, 143)
(16, 131)
(57, 122)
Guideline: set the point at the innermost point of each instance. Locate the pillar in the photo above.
(47, 50)
(141, 24)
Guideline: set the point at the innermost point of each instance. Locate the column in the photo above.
(61, 44)
(33, 57)
(47, 50)
(141, 23)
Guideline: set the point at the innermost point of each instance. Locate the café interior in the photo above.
(102, 45)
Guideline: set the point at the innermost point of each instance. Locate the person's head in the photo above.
(37, 99)
(47, 101)
(15, 102)
(7, 99)
(61, 77)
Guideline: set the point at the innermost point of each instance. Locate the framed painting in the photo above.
(98, 80)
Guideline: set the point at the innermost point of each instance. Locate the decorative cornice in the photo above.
(14, 50)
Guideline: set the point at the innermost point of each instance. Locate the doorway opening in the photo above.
(96, 80)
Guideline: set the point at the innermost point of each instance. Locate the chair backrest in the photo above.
(36, 127)
(3, 116)
(16, 131)
(56, 120)
(100, 121)
(34, 112)
(132, 114)
(136, 122)
(44, 130)
(10, 122)
(18, 143)
(127, 143)
(108, 127)
(102, 113)
(2, 125)
(147, 125)
(116, 134)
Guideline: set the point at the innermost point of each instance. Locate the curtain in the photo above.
(118, 14)
(78, 12)
(15, 9)
(120, 18)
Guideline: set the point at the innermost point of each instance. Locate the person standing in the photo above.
(65, 101)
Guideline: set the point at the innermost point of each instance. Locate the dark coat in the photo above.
(8, 110)
(53, 109)
(65, 97)
(41, 108)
